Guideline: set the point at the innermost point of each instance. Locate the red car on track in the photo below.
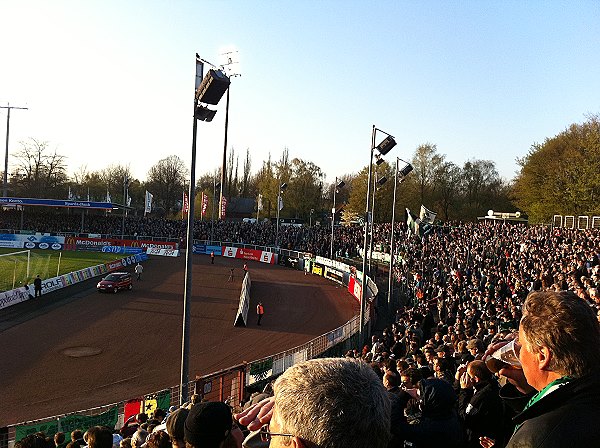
(115, 281)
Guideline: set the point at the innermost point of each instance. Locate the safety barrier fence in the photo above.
(230, 385)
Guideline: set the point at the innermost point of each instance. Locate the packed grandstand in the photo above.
(464, 286)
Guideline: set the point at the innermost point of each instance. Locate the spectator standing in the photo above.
(245, 269)
(37, 285)
(260, 311)
(212, 257)
(210, 425)
(479, 405)
(138, 271)
(560, 356)
(327, 402)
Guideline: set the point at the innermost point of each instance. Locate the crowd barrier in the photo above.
(230, 384)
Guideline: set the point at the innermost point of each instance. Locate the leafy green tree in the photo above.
(166, 180)
(562, 175)
(426, 161)
(305, 189)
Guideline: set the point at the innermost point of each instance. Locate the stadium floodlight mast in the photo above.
(282, 189)
(209, 89)
(377, 183)
(336, 189)
(403, 173)
(383, 148)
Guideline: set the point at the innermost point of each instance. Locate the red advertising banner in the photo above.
(75, 243)
(249, 254)
(354, 287)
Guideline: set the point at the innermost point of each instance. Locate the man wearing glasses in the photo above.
(333, 402)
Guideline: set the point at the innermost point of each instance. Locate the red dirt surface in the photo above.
(76, 349)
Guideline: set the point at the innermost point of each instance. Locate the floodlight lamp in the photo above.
(284, 187)
(406, 170)
(382, 181)
(379, 160)
(203, 113)
(341, 185)
(213, 87)
(386, 145)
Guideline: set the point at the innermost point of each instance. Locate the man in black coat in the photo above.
(479, 405)
(560, 355)
(37, 286)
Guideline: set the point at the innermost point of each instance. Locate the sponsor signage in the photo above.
(317, 269)
(121, 250)
(13, 297)
(249, 254)
(354, 287)
(12, 244)
(333, 263)
(334, 274)
(56, 203)
(204, 249)
(80, 243)
(32, 238)
(43, 246)
(162, 252)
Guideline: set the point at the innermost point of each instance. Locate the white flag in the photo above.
(260, 204)
(426, 215)
(108, 199)
(129, 202)
(148, 207)
(280, 203)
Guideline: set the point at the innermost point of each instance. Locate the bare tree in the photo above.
(40, 172)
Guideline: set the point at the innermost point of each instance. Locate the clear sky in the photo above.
(112, 81)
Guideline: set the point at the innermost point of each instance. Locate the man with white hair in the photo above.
(330, 402)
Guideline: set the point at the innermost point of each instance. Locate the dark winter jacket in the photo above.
(566, 417)
(481, 412)
(439, 425)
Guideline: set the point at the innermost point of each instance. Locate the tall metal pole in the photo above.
(390, 283)
(333, 218)
(187, 293)
(278, 202)
(363, 295)
(372, 222)
(212, 217)
(224, 164)
(8, 107)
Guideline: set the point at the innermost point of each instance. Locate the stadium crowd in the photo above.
(429, 379)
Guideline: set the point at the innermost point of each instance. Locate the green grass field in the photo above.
(13, 268)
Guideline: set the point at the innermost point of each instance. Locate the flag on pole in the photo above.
(88, 194)
(280, 203)
(260, 204)
(204, 203)
(426, 215)
(223, 207)
(416, 226)
(108, 199)
(186, 204)
(128, 201)
(148, 206)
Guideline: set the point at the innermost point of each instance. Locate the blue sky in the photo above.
(112, 81)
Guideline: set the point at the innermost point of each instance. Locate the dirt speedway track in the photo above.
(75, 349)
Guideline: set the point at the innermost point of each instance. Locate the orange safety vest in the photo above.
(260, 309)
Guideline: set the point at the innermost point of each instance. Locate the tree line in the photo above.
(559, 176)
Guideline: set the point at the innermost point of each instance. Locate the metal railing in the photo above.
(225, 385)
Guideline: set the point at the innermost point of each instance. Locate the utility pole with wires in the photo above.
(8, 107)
